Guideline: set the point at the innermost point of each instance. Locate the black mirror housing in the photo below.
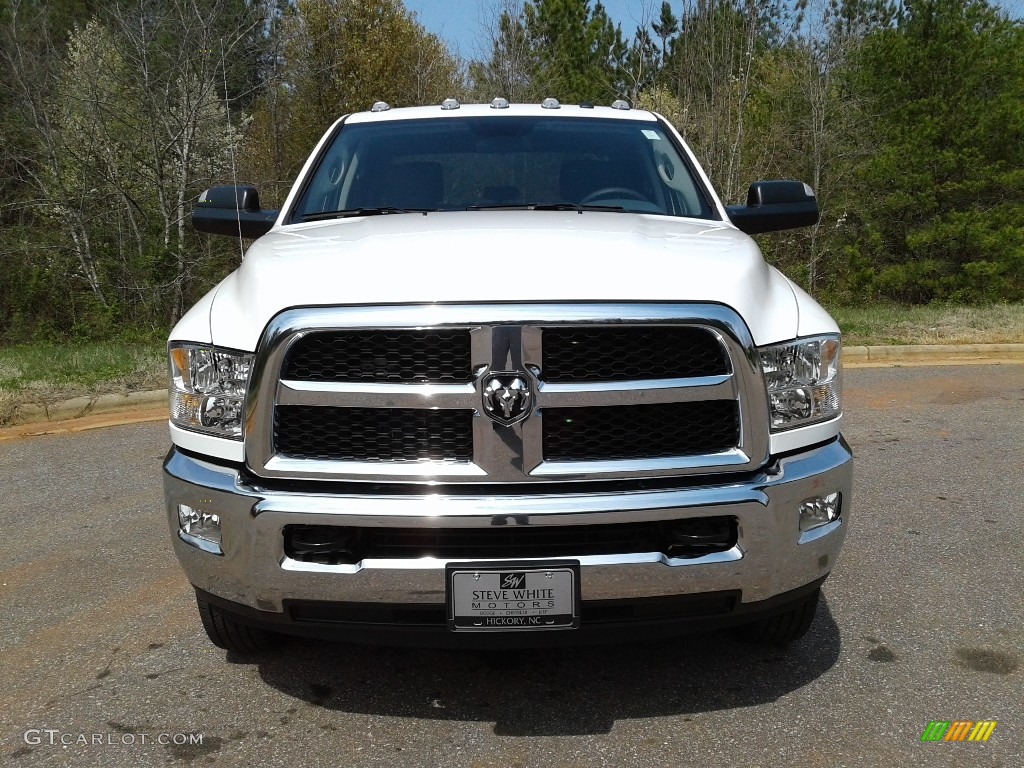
(773, 206)
(232, 211)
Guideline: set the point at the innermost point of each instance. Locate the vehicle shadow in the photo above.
(552, 692)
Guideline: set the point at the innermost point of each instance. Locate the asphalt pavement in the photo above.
(103, 661)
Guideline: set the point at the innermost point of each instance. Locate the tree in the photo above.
(805, 122)
(131, 127)
(340, 56)
(941, 199)
(35, 285)
(108, 141)
(513, 71)
(640, 67)
(559, 48)
(665, 28)
(712, 72)
(149, 130)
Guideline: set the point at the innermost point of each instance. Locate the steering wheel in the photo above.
(613, 192)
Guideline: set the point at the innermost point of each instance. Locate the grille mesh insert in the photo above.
(630, 353)
(640, 431)
(373, 434)
(440, 356)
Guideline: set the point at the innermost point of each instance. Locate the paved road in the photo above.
(922, 621)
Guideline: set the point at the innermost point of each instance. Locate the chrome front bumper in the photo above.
(771, 556)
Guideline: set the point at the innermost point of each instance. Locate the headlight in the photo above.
(208, 389)
(802, 379)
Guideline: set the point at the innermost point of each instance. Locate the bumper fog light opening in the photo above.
(819, 510)
(199, 524)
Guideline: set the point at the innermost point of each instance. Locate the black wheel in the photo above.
(226, 633)
(783, 627)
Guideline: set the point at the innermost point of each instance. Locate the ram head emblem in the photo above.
(507, 397)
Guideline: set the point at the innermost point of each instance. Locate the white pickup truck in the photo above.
(500, 375)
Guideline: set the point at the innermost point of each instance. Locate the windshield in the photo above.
(476, 163)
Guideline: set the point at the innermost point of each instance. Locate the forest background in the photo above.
(906, 116)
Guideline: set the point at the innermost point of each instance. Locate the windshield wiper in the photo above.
(544, 207)
(350, 212)
(576, 207)
(501, 207)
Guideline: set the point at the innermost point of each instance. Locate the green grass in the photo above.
(882, 324)
(47, 373)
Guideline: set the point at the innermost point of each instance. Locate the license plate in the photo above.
(513, 597)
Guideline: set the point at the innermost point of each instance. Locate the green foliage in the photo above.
(561, 48)
(513, 71)
(666, 27)
(946, 220)
(120, 130)
(578, 48)
(937, 323)
(712, 69)
(906, 116)
(28, 368)
(340, 56)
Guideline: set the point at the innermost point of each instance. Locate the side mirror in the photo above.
(232, 211)
(775, 205)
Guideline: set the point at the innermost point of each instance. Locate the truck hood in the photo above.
(499, 256)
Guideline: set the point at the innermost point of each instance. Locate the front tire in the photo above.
(785, 627)
(226, 633)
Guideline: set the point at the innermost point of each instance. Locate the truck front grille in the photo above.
(373, 434)
(631, 354)
(386, 355)
(408, 394)
(640, 431)
(343, 545)
(611, 353)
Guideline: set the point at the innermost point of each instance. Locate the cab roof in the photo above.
(452, 109)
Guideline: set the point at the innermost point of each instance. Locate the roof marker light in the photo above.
(499, 103)
(450, 104)
(380, 106)
(620, 104)
(550, 103)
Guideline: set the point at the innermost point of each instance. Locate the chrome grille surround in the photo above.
(504, 337)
